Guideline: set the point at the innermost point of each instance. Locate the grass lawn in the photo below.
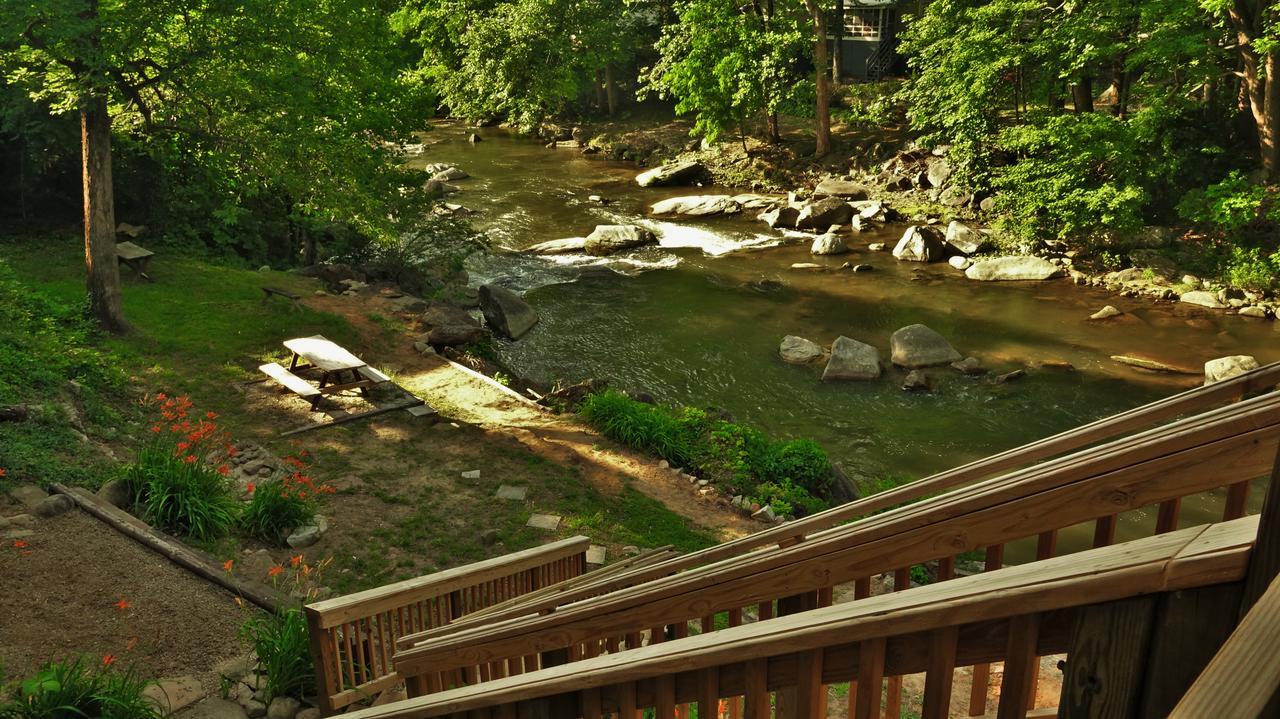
(201, 328)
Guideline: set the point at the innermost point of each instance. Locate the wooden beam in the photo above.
(1105, 665)
(1264, 564)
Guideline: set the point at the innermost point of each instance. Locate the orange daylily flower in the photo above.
(293, 561)
(19, 544)
(224, 470)
(108, 659)
(2, 472)
(276, 571)
(122, 605)
(211, 415)
(227, 565)
(190, 459)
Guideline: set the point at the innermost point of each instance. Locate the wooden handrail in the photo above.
(1224, 447)
(1242, 678)
(1262, 379)
(845, 641)
(353, 636)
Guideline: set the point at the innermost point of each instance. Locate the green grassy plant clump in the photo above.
(175, 479)
(280, 642)
(280, 505)
(72, 689)
(49, 362)
(792, 476)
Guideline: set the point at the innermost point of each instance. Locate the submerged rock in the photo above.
(798, 350)
(607, 239)
(1216, 370)
(697, 206)
(916, 346)
(669, 174)
(1105, 313)
(917, 381)
(920, 244)
(851, 359)
(559, 247)
(828, 244)
(1151, 364)
(969, 366)
(506, 312)
(1015, 267)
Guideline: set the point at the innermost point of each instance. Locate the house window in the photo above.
(865, 23)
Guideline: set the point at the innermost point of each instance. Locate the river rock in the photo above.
(851, 359)
(798, 350)
(780, 217)
(559, 247)
(1015, 267)
(966, 240)
(1150, 364)
(750, 201)
(846, 189)
(939, 171)
(960, 262)
(1105, 313)
(916, 346)
(955, 197)
(607, 239)
(1253, 311)
(449, 175)
(828, 244)
(920, 244)
(506, 312)
(670, 174)
(876, 247)
(822, 213)
(969, 366)
(1202, 298)
(697, 206)
(916, 381)
(1216, 370)
(455, 335)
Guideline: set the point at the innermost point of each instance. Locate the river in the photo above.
(698, 320)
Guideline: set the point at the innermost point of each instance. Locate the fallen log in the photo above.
(14, 413)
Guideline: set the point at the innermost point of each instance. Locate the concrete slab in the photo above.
(595, 554)
(507, 491)
(548, 522)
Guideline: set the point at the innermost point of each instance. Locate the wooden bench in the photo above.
(269, 292)
(135, 257)
(292, 382)
(373, 375)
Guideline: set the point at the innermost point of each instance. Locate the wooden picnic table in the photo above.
(334, 363)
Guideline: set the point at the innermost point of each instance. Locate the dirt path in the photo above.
(463, 397)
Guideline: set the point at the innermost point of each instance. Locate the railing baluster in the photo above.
(862, 587)
(1237, 501)
(982, 672)
(756, 701)
(709, 693)
(347, 630)
(1167, 519)
(764, 610)
(664, 702)
(1047, 544)
(870, 678)
(1020, 664)
(627, 701)
(811, 694)
(946, 568)
(590, 703)
(1104, 531)
(893, 687)
(940, 672)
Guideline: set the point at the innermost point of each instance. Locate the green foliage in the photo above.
(275, 510)
(421, 259)
(790, 475)
(71, 689)
(1075, 174)
(1234, 207)
(186, 498)
(726, 64)
(281, 644)
(1247, 267)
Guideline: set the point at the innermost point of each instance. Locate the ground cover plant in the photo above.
(76, 688)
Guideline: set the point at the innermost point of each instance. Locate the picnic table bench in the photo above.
(339, 370)
(135, 257)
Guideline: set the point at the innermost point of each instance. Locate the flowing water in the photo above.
(698, 320)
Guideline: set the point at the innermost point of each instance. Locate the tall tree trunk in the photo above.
(610, 89)
(837, 45)
(100, 218)
(599, 84)
(823, 109)
(1261, 81)
(771, 128)
(1082, 95)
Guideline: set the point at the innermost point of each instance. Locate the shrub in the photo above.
(174, 481)
(281, 644)
(645, 427)
(71, 690)
(787, 499)
(280, 505)
(1248, 268)
(1234, 207)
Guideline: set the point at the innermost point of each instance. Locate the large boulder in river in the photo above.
(920, 243)
(670, 174)
(607, 239)
(917, 346)
(798, 350)
(782, 216)
(823, 213)
(449, 174)
(505, 312)
(559, 247)
(1203, 298)
(846, 189)
(966, 240)
(828, 244)
(697, 206)
(1216, 370)
(1015, 267)
(851, 359)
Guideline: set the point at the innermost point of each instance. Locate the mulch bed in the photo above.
(79, 587)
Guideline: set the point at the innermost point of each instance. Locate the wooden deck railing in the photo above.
(1103, 608)
(1226, 447)
(1196, 400)
(353, 637)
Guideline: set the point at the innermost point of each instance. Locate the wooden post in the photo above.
(1264, 561)
(1106, 662)
(1190, 626)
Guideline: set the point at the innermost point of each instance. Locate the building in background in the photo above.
(864, 38)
